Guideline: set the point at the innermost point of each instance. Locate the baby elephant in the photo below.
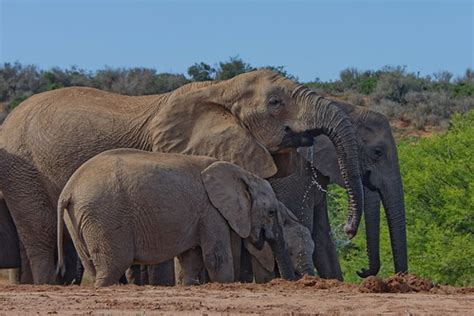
(128, 206)
(298, 241)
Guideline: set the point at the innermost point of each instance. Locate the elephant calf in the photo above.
(127, 206)
(297, 238)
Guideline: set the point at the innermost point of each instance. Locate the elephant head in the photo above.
(298, 240)
(381, 179)
(249, 205)
(251, 118)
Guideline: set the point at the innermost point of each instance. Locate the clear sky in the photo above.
(310, 38)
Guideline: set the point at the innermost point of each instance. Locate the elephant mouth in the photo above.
(366, 182)
(293, 140)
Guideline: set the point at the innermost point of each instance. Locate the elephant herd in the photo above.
(229, 177)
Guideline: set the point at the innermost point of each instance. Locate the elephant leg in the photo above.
(26, 277)
(261, 274)
(14, 276)
(72, 275)
(35, 220)
(144, 277)
(217, 253)
(162, 273)
(79, 272)
(236, 246)
(107, 276)
(178, 271)
(133, 274)
(192, 271)
(325, 255)
(246, 272)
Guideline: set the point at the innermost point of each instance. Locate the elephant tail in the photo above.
(62, 205)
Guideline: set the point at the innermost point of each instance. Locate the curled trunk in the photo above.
(325, 117)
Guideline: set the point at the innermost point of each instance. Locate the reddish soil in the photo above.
(310, 295)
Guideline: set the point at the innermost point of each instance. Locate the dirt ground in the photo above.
(307, 296)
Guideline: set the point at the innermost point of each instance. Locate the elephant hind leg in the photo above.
(108, 253)
(325, 253)
(162, 273)
(35, 220)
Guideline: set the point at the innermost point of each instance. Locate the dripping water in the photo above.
(337, 233)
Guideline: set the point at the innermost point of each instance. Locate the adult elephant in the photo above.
(382, 183)
(243, 120)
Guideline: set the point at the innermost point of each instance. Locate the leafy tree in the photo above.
(166, 82)
(201, 72)
(235, 66)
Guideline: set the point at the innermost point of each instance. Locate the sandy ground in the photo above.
(310, 296)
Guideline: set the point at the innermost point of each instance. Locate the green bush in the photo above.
(438, 176)
(14, 103)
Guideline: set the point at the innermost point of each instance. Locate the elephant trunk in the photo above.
(393, 203)
(281, 253)
(307, 269)
(372, 231)
(325, 117)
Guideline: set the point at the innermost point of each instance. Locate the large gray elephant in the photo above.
(128, 206)
(246, 120)
(382, 182)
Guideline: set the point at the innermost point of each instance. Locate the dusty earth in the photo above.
(310, 295)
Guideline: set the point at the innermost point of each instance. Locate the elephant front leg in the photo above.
(25, 275)
(217, 255)
(193, 271)
(133, 275)
(162, 273)
(262, 275)
(325, 254)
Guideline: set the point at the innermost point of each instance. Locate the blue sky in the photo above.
(310, 38)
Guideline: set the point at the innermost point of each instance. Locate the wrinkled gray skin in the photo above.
(245, 120)
(128, 206)
(298, 241)
(308, 203)
(382, 183)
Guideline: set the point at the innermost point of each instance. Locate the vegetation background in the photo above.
(432, 118)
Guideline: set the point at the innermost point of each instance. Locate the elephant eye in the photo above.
(271, 213)
(275, 101)
(376, 153)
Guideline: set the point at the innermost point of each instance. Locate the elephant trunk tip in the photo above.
(350, 229)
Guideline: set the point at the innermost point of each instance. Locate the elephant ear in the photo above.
(264, 257)
(285, 212)
(191, 124)
(323, 156)
(228, 192)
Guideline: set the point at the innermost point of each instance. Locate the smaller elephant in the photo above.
(300, 246)
(128, 206)
(298, 241)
